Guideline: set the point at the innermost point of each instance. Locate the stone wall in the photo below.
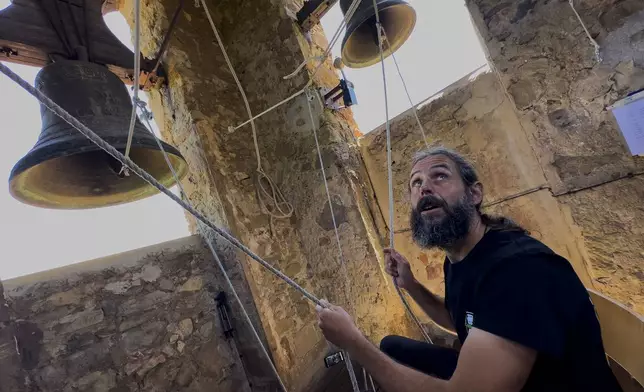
(549, 154)
(194, 111)
(560, 92)
(539, 125)
(145, 320)
(477, 119)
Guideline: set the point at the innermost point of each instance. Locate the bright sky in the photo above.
(442, 49)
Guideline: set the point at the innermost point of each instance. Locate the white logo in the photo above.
(469, 320)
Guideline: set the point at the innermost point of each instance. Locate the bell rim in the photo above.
(387, 52)
(24, 164)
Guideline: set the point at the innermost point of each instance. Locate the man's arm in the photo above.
(398, 267)
(487, 363)
(431, 304)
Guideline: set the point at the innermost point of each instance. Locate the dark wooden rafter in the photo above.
(312, 12)
(36, 32)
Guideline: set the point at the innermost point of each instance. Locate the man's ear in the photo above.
(477, 193)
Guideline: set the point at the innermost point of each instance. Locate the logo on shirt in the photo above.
(469, 320)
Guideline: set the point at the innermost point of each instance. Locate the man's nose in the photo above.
(426, 189)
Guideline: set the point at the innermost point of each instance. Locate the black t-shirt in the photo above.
(515, 287)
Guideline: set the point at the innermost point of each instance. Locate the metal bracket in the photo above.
(312, 11)
(36, 32)
(341, 96)
(333, 359)
(222, 310)
(8, 52)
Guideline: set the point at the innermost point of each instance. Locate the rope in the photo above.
(92, 136)
(271, 199)
(381, 32)
(343, 265)
(413, 106)
(350, 11)
(206, 234)
(137, 73)
(147, 116)
(598, 55)
(298, 69)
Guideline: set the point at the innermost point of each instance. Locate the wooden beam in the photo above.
(34, 31)
(623, 334)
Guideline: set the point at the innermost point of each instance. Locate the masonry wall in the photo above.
(560, 92)
(549, 153)
(145, 320)
(194, 111)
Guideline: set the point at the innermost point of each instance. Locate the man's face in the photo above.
(442, 206)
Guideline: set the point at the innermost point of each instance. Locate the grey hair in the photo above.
(467, 172)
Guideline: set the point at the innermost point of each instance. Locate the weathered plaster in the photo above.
(194, 112)
(560, 92)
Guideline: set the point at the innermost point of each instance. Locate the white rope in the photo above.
(345, 20)
(147, 116)
(414, 107)
(598, 55)
(302, 65)
(343, 265)
(137, 73)
(136, 169)
(280, 103)
(381, 32)
(271, 198)
(297, 70)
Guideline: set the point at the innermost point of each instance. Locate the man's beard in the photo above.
(445, 231)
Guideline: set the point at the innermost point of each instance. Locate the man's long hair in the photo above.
(468, 175)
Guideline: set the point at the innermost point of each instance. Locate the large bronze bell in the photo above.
(65, 170)
(360, 43)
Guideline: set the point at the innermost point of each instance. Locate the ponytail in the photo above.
(501, 223)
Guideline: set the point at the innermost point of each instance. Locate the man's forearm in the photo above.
(390, 375)
(431, 304)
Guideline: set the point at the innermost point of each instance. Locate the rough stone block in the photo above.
(81, 320)
(94, 358)
(206, 329)
(71, 297)
(186, 327)
(136, 319)
(149, 273)
(195, 283)
(97, 381)
(150, 364)
(121, 287)
(141, 337)
(186, 374)
(147, 302)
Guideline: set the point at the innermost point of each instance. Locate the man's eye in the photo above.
(416, 183)
(441, 177)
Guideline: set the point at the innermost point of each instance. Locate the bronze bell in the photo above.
(360, 43)
(65, 170)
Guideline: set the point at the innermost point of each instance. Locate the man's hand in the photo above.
(337, 325)
(398, 267)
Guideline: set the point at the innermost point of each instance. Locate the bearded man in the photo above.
(525, 320)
